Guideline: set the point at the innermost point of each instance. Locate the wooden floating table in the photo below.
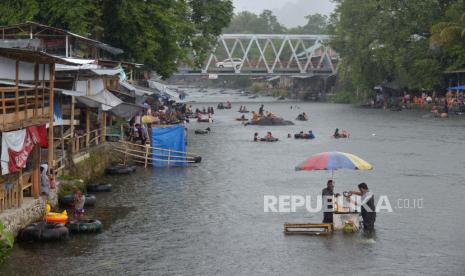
(308, 228)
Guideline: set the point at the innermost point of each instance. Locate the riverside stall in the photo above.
(344, 217)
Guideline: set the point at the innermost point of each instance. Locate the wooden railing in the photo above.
(87, 140)
(11, 192)
(143, 154)
(20, 107)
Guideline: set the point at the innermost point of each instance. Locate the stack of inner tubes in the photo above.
(44, 231)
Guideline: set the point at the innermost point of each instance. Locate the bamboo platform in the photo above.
(308, 229)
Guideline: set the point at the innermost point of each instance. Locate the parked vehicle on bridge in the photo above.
(229, 63)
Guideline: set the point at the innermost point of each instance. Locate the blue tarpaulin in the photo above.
(57, 114)
(170, 138)
(460, 87)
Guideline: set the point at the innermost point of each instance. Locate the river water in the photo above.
(210, 219)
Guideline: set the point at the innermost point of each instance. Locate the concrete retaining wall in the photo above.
(86, 166)
(31, 210)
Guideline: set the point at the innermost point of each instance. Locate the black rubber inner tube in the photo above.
(86, 225)
(69, 200)
(120, 169)
(269, 140)
(44, 231)
(198, 159)
(99, 187)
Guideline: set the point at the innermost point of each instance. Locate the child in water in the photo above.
(79, 200)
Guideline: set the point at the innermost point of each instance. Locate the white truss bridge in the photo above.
(269, 54)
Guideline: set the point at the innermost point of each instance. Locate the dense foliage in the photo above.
(158, 33)
(6, 243)
(409, 43)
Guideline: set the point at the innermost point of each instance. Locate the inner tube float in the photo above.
(202, 131)
(303, 136)
(197, 159)
(69, 200)
(85, 226)
(61, 218)
(203, 120)
(120, 169)
(94, 187)
(301, 118)
(269, 140)
(44, 231)
(242, 119)
(341, 136)
(243, 111)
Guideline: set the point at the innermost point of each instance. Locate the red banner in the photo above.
(34, 136)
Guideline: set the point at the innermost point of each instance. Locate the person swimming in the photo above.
(255, 137)
(311, 135)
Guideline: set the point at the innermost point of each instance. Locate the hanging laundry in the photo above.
(17, 145)
(13, 140)
(18, 159)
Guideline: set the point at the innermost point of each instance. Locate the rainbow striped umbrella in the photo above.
(334, 160)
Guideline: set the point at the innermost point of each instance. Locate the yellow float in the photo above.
(55, 217)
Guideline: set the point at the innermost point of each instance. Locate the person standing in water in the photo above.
(367, 205)
(328, 199)
(261, 110)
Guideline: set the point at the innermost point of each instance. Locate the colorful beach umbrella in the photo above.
(334, 160)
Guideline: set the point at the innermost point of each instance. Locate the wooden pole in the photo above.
(17, 91)
(87, 126)
(72, 116)
(104, 125)
(88, 115)
(146, 155)
(36, 91)
(51, 147)
(35, 171)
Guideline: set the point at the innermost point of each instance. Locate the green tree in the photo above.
(76, 16)
(15, 11)
(387, 41)
(158, 33)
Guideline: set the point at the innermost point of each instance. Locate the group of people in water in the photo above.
(243, 109)
(268, 137)
(221, 105)
(302, 116)
(208, 110)
(341, 134)
(304, 135)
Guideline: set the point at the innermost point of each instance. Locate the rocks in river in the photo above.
(271, 121)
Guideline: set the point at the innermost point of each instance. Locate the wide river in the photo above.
(210, 219)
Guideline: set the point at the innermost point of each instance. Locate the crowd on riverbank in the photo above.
(450, 102)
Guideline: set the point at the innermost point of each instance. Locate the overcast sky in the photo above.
(289, 12)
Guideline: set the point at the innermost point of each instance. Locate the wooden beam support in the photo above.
(72, 115)
(35, 172)
(50, 110)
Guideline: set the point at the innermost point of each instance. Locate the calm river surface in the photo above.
(209, 219)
